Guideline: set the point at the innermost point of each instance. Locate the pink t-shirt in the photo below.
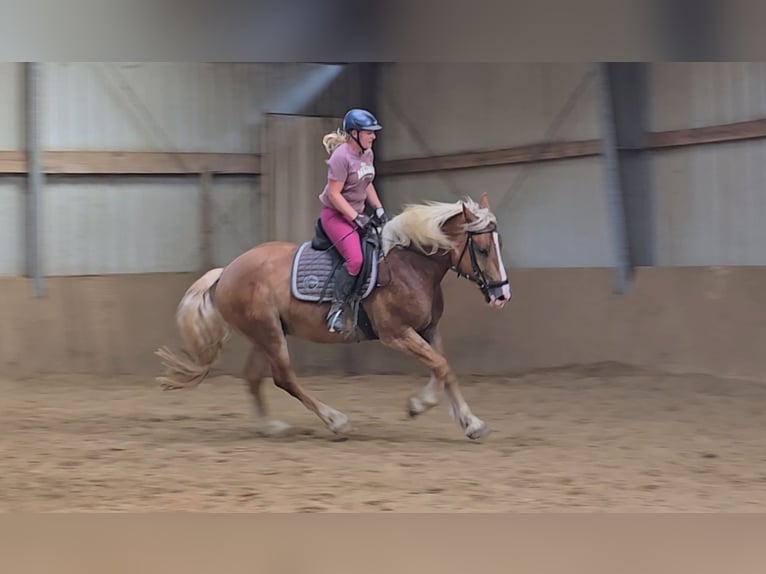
(355, 170)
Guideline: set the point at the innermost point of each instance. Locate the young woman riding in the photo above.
(349, 188)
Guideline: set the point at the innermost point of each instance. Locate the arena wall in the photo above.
(687, 319)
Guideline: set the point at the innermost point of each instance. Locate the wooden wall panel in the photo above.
(294, 173)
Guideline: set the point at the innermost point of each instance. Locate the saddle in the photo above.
(312, 277)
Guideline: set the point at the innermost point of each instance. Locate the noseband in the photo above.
(479, 277)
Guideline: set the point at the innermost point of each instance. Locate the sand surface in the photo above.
(603, 438)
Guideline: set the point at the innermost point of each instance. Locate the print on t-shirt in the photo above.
(365, 169)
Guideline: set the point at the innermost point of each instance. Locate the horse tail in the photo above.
(203, 331)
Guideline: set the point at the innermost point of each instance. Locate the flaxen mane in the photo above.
(420, 225)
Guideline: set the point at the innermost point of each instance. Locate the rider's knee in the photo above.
(354, 265)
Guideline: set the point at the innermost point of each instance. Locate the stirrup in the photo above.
(335, 321)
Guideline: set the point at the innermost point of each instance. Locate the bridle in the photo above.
(479, 277)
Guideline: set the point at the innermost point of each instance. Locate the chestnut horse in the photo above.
(252, 295)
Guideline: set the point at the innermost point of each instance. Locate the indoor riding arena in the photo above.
(627, 373)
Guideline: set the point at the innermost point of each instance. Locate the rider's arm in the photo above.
(339, 202)
(372, 197)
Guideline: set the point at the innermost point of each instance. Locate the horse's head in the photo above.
(477, 254)
(465, 232)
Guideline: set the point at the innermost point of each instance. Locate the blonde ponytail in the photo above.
(333, 140)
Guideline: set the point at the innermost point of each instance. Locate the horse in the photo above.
(252, 295)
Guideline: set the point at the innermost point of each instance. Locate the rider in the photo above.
(349, 186)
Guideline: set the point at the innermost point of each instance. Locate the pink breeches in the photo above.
(345, 237)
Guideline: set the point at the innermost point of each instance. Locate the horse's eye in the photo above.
(484, 252)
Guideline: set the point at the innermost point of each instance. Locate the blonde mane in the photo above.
(420, 225)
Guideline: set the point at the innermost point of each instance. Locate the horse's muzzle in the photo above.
(499, 296)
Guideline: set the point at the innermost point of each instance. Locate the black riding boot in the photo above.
(344, 285)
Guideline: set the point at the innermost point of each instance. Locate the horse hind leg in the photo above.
(274, 345)
(256, 370)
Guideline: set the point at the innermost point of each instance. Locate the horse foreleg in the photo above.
(256, 369)
(428, 397)
(412, 344)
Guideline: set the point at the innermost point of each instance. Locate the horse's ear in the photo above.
(468, 214)
(484, 200)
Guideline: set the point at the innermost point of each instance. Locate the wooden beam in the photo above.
(752, 129)
(139, 163)
(13, 162)
(161, 163)
(509, 156)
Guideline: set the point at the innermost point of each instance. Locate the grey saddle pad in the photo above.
(311, 271)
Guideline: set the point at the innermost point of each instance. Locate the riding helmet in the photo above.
(358, 119)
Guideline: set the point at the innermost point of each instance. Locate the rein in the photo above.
(479, 277)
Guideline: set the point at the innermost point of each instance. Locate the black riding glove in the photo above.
(362, 221)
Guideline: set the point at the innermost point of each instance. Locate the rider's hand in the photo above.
(362, 221)
(380, 215)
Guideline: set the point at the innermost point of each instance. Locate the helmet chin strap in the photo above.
(356, 139)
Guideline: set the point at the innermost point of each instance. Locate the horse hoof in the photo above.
(415, 407)
(338, 423)
(341, 428)
(477, 430)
